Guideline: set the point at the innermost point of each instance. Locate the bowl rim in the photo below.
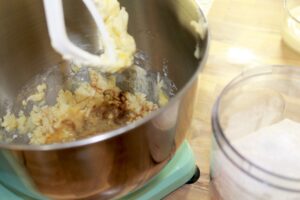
(288, 11)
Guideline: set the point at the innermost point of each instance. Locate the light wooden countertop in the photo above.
(244, 33)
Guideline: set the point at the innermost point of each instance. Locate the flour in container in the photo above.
(275, 149)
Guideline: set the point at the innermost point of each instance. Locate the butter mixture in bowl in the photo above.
(92, 107)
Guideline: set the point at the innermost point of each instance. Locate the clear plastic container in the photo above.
(257, 99)
(291, 24)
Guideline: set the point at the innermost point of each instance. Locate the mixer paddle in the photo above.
(62, 44)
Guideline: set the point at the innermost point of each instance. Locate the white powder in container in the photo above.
(276, 149)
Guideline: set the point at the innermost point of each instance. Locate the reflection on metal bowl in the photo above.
(111, 164)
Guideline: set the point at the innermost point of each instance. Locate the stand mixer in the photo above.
(144, 160)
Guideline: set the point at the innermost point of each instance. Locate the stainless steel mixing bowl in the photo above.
(111, 164)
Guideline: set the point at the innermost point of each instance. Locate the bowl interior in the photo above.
(166, 42)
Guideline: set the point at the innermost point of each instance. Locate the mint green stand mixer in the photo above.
(145, 160)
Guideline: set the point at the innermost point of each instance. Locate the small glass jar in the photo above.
(256, 99)
(291, 24)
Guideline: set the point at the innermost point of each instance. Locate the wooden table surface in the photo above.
(244, 33)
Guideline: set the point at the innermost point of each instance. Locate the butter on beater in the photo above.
(116, 21)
